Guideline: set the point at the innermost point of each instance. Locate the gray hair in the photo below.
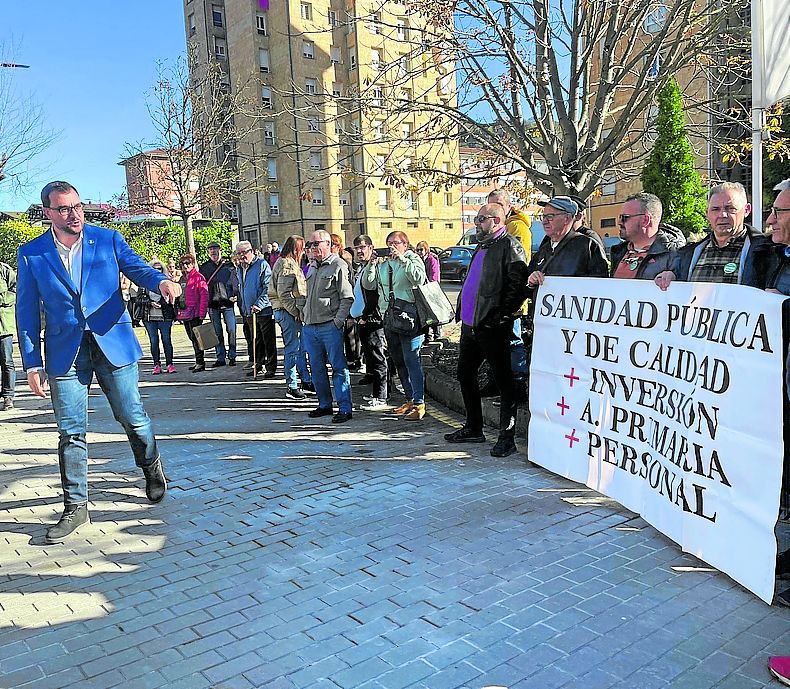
(243, 246)
(325, 236)
(500, 195)
(648, 203)
(724, 187)
(784, 185)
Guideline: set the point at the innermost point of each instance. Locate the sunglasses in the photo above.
(312, 245)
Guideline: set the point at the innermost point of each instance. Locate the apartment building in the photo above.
(337, 152)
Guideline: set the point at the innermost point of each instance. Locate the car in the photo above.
(454, 262)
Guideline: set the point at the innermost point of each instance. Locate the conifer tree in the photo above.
(669, 172)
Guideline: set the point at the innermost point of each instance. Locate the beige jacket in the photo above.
(288, 287)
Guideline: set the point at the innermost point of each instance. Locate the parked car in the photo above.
(454, 262)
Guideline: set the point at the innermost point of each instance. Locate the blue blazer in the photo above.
(44, 287)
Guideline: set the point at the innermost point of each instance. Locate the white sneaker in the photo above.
(375, 405)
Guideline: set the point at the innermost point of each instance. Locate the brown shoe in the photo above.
(404, 408)
(416, 412)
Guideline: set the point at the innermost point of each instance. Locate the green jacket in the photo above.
(7, 299)
(407, 272)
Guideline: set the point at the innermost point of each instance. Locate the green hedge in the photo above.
(163, 239)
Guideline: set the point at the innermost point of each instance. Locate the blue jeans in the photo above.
(229, 316)
(324, 342)
(405, 353)
(155, 330)
(7, 366)
(70, 404)
(294, 357)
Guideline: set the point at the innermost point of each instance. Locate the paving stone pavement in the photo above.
(292, 553)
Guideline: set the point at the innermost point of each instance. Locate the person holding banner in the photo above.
(647, 246)
(491, 296)
(731, 253)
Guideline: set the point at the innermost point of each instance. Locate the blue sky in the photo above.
(91, 64)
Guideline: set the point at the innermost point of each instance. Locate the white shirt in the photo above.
(71, 258)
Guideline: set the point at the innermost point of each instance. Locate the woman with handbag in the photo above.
(433, 274)
(287, 293)
(195, 307)
(158, 320)
(395, 280)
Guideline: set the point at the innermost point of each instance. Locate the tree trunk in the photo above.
(189, 233)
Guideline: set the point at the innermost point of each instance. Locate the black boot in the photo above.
(155, 481)
(72, 518)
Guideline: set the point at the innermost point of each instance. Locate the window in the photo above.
(220, 48)
(308, 50)
(403, 65)
(332, 18)
(384, 199)
(216, 15)
(405, 164)
(311, 86)
(260, 24)
(360, 196)
(411, 202)
(430, 198)
(315, 160)
(448, 199)
(306, 11)
(266, 96)
(274, 204)
(318, 197)
(374, 23)
(263, 60)
(343, 198)
(386, 226)
(412, 225)
(312, 125)
(402, 30)
(337, 90)
(608, 186)
(378, 98)
(375, 59)
(381, 161)
(407, 95)
(353, 61)
(340, 127)
(336, 55)
(192, 27)
(608, 222)
(224, 86)
(319, 226)
(271, 168)
(449, 226)
(405, 131)
(379, 131)
(268, 133)
(351, 21)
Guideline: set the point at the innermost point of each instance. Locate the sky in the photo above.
(92, 63)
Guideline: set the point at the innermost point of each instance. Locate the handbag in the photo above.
(401, 315)
(433, 306)
(219, 295)
(205, 336)
(140, 306)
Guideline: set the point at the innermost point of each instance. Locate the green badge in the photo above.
(730, 268)
(634, 264)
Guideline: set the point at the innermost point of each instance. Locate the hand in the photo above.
(156, 305)
(771, 290)
(233, 299)
(255, 309)
(37, 380)
(170, 291)
(664, 279)
(397, 250)
(535, 279)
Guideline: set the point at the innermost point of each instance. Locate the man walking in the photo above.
(254, 275)
(7, 369)
(329, 299)
(490, 298)
(71, 273)
(222, 296)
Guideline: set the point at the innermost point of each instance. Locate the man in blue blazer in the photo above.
(71, 276)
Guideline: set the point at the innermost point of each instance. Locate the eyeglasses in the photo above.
(185, 265)
(243, 252)
(312, 245)
(66, 210)
(777, 211)
(548, 217)
(395, 242)
(624, 217)
(483, 218)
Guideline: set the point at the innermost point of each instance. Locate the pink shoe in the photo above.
(171, 368)
(780, 668)
(156, 370)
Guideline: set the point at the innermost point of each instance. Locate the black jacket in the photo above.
(224, 281)
(659, 256)
(576, 255)
(760, 263)
(503, 282)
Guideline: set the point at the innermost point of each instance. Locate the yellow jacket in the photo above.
(518, 224)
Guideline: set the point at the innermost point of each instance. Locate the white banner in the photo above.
(671, 404)
(771, 50)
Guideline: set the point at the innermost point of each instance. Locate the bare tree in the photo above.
(560, 89)
(192, 164)
(24, 133)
